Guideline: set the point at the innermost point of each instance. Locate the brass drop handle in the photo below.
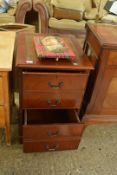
(58, 101)
(53, 148)
(58, 86)
(53, 134)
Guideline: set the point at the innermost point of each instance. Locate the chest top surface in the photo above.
(27, 57)
(7, 42)
(105, 33)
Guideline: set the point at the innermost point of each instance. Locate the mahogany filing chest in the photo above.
(51, 95)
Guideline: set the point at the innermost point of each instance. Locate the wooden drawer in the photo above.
(64, 99)
(51, 145)
(54, 81)
(48, 124)
(51, 125)
(2, 116)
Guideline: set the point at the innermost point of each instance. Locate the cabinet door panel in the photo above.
(106, 100)
(112, 58)
(110, 100)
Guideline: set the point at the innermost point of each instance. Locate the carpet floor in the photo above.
(96, 155)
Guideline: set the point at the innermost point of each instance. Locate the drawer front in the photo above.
(52, 100)
(52, 131)
(54, 81)
(2, 116)
(1, 91)
(47, 145)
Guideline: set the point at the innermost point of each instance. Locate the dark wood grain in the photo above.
(27, 54)
(101, 42)
(66, 143)
(47, 89)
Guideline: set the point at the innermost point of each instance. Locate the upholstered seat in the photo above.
(51, 12)
(16, 13)
(68, 16)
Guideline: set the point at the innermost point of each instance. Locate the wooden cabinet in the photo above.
(101, 46)
(51, 95)
(7, 40)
